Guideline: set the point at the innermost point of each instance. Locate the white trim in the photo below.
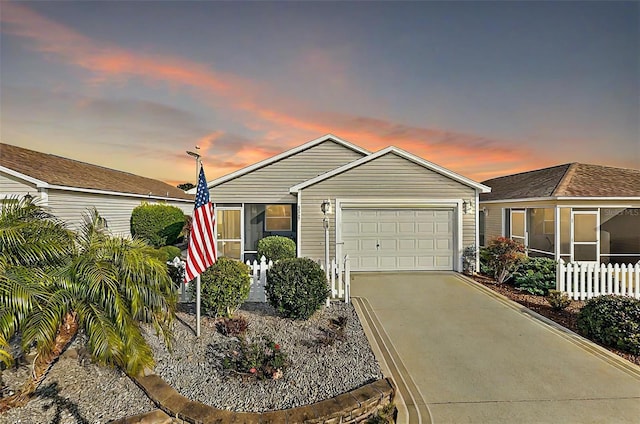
(557, 234)
(38, 183)
(404, 154)
(118, 193)
(557, 198)
(281, 156)
(477, 207)
(572, 238)
(299, 227)
(455, 204)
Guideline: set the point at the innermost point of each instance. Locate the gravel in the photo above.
(76, 391)
(316, 372)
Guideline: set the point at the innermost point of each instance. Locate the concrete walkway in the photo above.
(459, 353)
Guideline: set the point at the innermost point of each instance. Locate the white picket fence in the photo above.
(584, 281)
(339, 279)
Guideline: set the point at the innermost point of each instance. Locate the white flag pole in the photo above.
(198, 305)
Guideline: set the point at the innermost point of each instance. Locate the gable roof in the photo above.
(567, 180)
(51, 171)
(402, 153)
(283, 155)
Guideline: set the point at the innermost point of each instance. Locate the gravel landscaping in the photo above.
(76, 391)
(315, 372)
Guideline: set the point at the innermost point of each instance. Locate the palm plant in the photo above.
(107, 286)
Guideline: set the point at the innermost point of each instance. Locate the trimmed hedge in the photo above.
(276, 248)
(297, 287)
(613, 321)
(224, 287)
(171, 252)
(158, 224)
(536, 276)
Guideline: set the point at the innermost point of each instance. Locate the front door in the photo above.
(229, 232)
(585, 237)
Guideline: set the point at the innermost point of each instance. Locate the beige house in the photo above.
(388, 210)
(575, 212)
(68, 187)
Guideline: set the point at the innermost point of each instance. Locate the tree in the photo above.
(504, 256)
(185, 186)
(106, 286)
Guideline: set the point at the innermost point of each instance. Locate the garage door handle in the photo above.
(378, 245)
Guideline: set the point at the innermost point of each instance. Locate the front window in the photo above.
(541, 230)
(619, 235)
(277, 218)
(518, 226)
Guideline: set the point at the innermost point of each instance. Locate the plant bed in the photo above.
(567, 317)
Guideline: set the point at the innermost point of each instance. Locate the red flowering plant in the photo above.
(503, 256)
(261, 359)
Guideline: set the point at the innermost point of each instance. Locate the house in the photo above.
(389, 210)
(68, 187)
(576, 212)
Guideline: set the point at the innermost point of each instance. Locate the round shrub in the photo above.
(171, 252)
(613, 321)
(536, 276)
(276, 248)
(157, 224)
(296, 287)
(224, 287)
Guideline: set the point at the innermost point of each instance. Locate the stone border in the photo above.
(351, 407)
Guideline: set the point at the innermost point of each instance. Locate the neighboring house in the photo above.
(577, 212)
(68, 187)
(390, 210)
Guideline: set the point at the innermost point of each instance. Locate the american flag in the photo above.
(202, 252)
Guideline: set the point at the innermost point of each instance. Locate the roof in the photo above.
(47, 170)
(567, 180)
(284, 155)
(402, 153)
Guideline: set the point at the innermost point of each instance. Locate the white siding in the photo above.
(271, 184)
(69, 206)
(388, 177)
(12, 186)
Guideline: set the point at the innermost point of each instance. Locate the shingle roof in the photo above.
(59, 171)
(568, 180)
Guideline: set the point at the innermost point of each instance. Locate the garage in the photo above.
(399, 239)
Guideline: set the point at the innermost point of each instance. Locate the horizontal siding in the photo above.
(69, 206)
(12, 186)
(492, 223)
(271, 184)
(388, 177)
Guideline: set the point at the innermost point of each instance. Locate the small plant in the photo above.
(558, 300)
(224, 287)
(157, 224)
(613, 321)
(535, 275)
(504, 256)
(334, 332)
(485, 255)
(232, 327)
(261, 359)
(276, 248)
(385, 415)
(296, 288)
(469, 255)
(170, 252)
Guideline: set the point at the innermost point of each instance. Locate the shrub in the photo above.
(485, 268)
(536, 275)
(276, 248)
(558, 300)
(261, 359)
(232, 327)
(469, 260)
(157, 224)
(296, 287)
(224, 287)
(613, 321)
(504, 256)
(170, 252)
(334, 332)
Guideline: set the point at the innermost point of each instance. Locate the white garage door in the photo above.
(399, 239)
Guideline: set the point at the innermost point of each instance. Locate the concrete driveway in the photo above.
(460, 353)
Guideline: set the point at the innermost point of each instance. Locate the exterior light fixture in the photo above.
(467, 206)
(28, 197)
(325, 207)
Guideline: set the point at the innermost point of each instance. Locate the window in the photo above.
(541, 229)
(619, 238)
(481, 227)
(518, 226)
(277, 218)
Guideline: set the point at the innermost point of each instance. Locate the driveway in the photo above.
(459, 353)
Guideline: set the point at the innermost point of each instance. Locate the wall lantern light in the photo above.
(326, 206)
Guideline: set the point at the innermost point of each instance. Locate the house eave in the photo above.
(562, 198)
(38, 183)
(119, 193)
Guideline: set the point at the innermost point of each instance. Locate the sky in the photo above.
(481, 88)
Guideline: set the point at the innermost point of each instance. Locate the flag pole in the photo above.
(198, 306)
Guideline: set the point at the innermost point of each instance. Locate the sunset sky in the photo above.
(483, 88)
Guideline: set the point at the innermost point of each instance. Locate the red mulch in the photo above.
(567, 317)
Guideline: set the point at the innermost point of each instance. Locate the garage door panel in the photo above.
(401, 239)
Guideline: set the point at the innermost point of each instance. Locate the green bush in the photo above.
(275, 248)
(158, 224)
(535, 275)
(261, 359)
(224, 287)
(503, 256)
(296, 287)
(613, 321)
(171, 252)
(485, 268)
(558, 300)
